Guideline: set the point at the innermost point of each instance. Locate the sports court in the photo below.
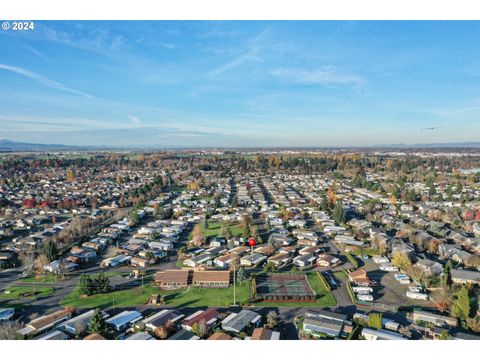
(283, 287)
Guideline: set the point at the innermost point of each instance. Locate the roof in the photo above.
(265, 334)
(140, 336)
(383, 334)
(236, 322)
(162, 317)
(52, 318)
(124, 318)
(172, 276)
(94, 337)
(184, 335)
(219, 336)
(211, 276)
(465, 275)
(53, 335)
(200, 315)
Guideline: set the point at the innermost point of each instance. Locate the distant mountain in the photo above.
(469, 144)
(9, 145)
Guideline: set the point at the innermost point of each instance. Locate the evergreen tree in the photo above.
(461, 306)
(339, 213)
(97, 324)
(84, 285)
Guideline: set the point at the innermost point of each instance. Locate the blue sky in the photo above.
(252, 83)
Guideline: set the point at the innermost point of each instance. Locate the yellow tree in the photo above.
(332, 197)
(401, 260)
(70, 176)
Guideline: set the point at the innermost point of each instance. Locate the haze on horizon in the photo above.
(251, 83)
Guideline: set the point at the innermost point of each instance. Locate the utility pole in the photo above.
(234, 284)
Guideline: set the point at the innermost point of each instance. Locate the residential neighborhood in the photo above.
(246, 245)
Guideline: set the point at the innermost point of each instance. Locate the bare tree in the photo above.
(8, 330)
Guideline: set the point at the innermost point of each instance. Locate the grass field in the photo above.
(47, 278)
(191, 296)
(26, 292)
(214, 228)
(324, 298)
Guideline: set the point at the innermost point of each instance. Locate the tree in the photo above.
(447, 276)
(461, 306)
(8, 330)
(50, 250)
(84, 285)
(375, 320)
(401, 260)
(332, 197)
(97, 324)
(324, 203)
(339, 213)
(272, 319)
(241, 275)
(198, 236)
(442, 299)
(134, 218)
(245, 232)
(270, 267)
(474, 324)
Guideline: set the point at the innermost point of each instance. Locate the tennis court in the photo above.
(283, 287)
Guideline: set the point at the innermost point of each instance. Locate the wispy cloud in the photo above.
(134, 119)
(251, 53)
(325, 76)
(43, 80)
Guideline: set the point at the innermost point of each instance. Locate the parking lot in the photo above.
(389, 291)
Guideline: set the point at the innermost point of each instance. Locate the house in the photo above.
(78, 325)
(264, 334)
(279, 259)
(359, 277)
(238, 322)
(172, 279)
(6, 314)
(460, 276)
(324, 322)
(304, 260)
(53, 335)
(58, 266)
(142, 335)
(124, 320)
(432, 318)
(45, 322)
(252, 260)
(218, 335)
(429, 267)
(211, 279)
(373, 334)
(198, 260)
(161, 318)
(184, 335)
(94, 337)
(327, 260)
(209, 316)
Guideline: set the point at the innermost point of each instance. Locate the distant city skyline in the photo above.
(241, 84)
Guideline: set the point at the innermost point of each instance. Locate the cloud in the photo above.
(325, 76)
(134, 119)
(43, 80)
(251, 53)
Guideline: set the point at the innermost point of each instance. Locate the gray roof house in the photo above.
(237, 322)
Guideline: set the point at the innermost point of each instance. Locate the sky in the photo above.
(241, 83)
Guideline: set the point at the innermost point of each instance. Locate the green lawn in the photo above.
(26, 292)
(214, 228)
(47, 278)
(324, 298)
(182, 298)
